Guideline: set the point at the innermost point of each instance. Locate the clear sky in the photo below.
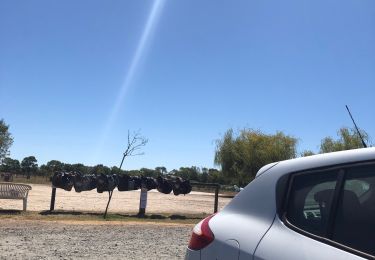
(76, 75)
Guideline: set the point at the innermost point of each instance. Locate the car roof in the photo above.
(321, 160)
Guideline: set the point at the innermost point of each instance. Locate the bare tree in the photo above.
(135, 143)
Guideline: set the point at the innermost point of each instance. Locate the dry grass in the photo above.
(97, 217)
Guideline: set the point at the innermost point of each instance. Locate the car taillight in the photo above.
(202, 235)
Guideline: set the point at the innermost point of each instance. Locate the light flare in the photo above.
(144, 41)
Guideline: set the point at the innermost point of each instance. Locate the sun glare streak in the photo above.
(150, 26)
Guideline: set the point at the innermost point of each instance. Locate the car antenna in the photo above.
(359, 133)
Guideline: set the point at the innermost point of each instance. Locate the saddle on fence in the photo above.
(63, 180)
(123, 182)
(106, 182)
(135, 183)
(163, 185)
(127, 183)
(84, 182)
(149, 183)
(181, 186)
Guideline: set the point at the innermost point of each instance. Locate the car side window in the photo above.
(354, 225)
(359, 187)
(310, 201)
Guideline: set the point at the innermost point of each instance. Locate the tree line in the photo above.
(28, 167)
(239, 155)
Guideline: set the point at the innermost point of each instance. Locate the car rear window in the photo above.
(335, 206)
(310, 201)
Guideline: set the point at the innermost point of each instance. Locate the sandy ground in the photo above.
(40, 239)
(20, 239)
(122, 202)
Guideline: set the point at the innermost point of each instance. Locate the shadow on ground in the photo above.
(118, 215)
(74, 213)
(10, 212)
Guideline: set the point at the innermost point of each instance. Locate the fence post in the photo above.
(213, 185)
(142, 202)
(53, 197)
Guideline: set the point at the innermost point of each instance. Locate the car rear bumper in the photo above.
(192, 254)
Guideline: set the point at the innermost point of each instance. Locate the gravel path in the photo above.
(77, 240)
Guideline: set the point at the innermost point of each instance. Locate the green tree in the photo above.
(348, 139)
(29, 165)
(117, 170)
(44, 171)
(79, 167)
(188, 173)
(204, 175)
(215, 176)
(148, 172)
(6, 140)
(242, 155)
(134, 172)
(53, 166)
(99, 169)
(173, 172)
(161, 170)
(307, 153)
(11, 165)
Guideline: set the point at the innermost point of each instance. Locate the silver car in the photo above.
(316, 207)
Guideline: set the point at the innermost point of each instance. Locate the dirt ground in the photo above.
(122, 202)
(21, 239)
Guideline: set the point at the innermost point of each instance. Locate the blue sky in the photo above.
(197, 69)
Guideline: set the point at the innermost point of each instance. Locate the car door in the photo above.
(326, 214)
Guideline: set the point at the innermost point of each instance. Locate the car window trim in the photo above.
(341, 177)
